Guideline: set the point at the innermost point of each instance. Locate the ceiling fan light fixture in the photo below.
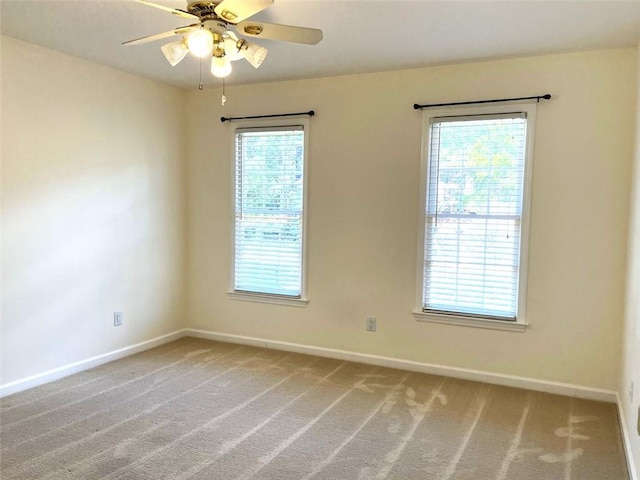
(174, 52)
(200, 42)
(211, 37)
(253, 53)
(220, 66)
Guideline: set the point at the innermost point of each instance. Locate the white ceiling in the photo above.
(359, 36)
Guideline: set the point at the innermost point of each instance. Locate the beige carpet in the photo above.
(209, 410)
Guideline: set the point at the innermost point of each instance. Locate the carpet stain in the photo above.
(564, 457)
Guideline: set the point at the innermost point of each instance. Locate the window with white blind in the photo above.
(269, 212)
(476, 172)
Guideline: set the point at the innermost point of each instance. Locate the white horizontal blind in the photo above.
(473, 215)
(269, 209)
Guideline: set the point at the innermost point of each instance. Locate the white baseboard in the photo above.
(463, 373)
(633, 473)
(66, 370)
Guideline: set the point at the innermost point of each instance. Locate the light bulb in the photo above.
(220, 67)
(200, 42)
(174, 52)
(255, 54)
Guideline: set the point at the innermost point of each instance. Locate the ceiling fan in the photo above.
(211, 37)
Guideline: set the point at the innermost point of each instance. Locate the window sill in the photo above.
(266, 298)
(470, 321)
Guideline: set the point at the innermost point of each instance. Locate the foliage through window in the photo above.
(269, 210)
(475, 196)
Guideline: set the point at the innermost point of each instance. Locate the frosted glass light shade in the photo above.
(174, 52)
(255, 54)
(220, 67)
(231, 50)
(200, 42)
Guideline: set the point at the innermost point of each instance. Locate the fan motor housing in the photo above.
(204, 10)
(216, 26)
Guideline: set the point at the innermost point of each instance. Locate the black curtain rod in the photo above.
(311, 113)
(537, 98)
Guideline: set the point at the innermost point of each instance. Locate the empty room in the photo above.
(305, 239)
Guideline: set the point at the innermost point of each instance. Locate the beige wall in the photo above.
(93, 205)
(631, 346)
(363, 215)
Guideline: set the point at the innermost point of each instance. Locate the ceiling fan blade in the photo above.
(286, 33)
(175, 11)
(234, 11)
(159, 36)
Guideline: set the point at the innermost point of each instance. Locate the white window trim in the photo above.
(233, 294)
(267, 298)
(460, 319)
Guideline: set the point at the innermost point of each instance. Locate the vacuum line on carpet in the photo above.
(231, 444)
(5, 409)
(389, 397)
(210, 422)
(58, 451)
(568, 464)
(265, 460)
(75, 402)
(113, 406)
(515, 443)
(463, 446)
(393, 456)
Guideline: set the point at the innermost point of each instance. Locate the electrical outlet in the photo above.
(372, 324)
(117, 319)
(631, 392)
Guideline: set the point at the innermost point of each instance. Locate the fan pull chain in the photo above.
(200, 86)
(223, 99)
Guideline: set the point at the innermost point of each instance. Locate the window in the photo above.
(476, 172)
(269, 213)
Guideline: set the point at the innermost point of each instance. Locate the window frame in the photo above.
(259, 297)
(520, 324)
